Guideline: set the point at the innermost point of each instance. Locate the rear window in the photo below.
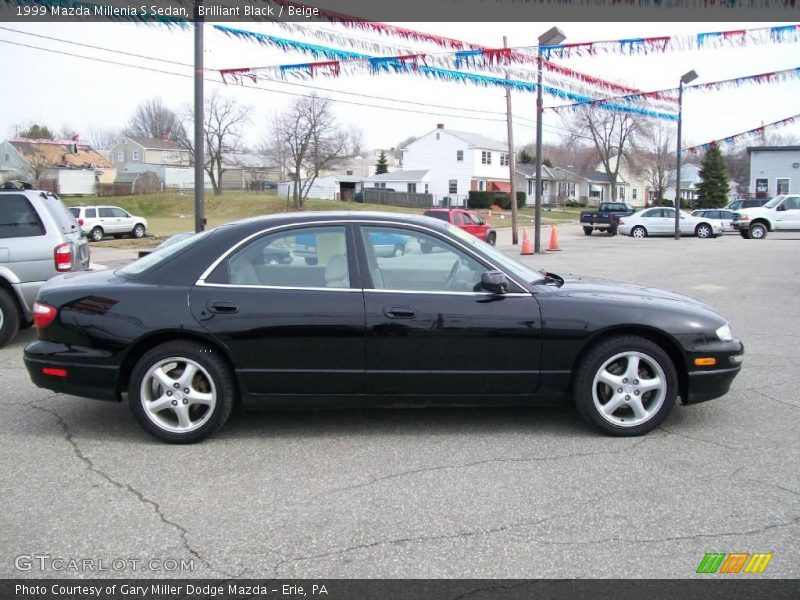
(76, 212)
(437, 214)
(18, 218)
(63, 217)
(159, 255)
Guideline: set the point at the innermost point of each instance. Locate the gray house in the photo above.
(774, 170)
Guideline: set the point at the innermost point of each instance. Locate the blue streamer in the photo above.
(285, 44)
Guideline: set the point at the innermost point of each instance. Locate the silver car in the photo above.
(39, 238)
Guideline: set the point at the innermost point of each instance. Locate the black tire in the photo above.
(744, 233)
(592, 364)
(96, 234)
(612, 231)
(758, 231)
(491, 238)
(587, 230)
(138, 231)
(9, 318)
(221, 382)
(704, 230)
(425, 247)
(639, 232)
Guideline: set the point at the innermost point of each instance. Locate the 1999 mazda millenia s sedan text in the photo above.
(195, 327)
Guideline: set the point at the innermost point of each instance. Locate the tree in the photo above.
(656, 159)
(224, 119)
(306, 140)
(154, 119)
(548, 163)
(712, 191)
(104, 138)
(382, 165)
(525, 158)
(37, 132)
(612, 133)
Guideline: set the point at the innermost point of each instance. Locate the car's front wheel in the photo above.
(703, 231)
(181, 392)
(639, 232)
(96, 234)
(587, 230)
(138, 231)
(744, 233)
(9, 318)
(758, 231)
(626, 385)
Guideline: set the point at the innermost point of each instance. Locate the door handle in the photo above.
(223, 308)
(399, 312)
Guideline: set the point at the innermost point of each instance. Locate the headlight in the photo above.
(744, 218)
(724, 333)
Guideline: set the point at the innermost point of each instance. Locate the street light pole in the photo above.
(551, 37)
(685, 78)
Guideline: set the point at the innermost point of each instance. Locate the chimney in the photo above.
(440, 126)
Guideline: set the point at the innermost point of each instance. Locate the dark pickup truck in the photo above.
(605, 219)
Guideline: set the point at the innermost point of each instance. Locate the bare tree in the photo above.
(612, 133)
(38, 163)
(154, 119)
(656, 158)
(224, 119)
(104, 138)
(306, 141)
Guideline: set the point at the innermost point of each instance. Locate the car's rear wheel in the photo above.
(9, 318)
(96, 234)
(744, 233)
(639, 232)
(612, 231)
(491, 238)
(181, 392)
(703, 231)
(758, 231)
(138, 231)
(587, 230)
(626, 386)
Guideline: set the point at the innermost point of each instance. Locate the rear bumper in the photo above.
(82, 378)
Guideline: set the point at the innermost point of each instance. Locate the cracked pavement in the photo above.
(467, 493)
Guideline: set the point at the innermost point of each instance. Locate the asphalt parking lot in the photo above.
(442, 492)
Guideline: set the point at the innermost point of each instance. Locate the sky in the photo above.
(61, 90)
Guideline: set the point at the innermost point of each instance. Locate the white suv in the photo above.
(98, 221)
(782, 213)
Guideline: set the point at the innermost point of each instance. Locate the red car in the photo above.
(468, 220)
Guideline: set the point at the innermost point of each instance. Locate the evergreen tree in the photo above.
(37, 132)
(525, 158)
(548, 163)
(383, 164)
(713, 189)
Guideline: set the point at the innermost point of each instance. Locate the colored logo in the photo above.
(734, 562)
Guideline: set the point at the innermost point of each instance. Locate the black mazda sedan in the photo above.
(195, 327)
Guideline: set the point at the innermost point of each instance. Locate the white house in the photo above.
(329, 187)
(458, 162)
(525, 181)
(774, 170)
(412, 182)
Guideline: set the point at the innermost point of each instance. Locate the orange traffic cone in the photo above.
(527, 246)
(553, 245)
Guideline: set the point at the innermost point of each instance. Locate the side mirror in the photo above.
(494, 282)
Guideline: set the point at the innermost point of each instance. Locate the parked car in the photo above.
(782, 213)
(720, 216)
(661, 221)
(173, 239)
(98, 221)
(606, 218)
(746, 203)
(468, 220)
(39, 238)
(466, 325)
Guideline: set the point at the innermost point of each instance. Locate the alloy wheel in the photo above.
(639, 232)
(629, 389)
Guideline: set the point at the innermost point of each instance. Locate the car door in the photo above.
(788, 214)
(293, 326)
(655, 221)
(430, 329)
(124, 222)
(106, 219)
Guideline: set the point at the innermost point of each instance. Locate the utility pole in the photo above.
(199, 124)
(511, 160)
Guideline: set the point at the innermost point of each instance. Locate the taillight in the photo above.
(80, 222)
(43, 314)
(63, 257)
(621, 222)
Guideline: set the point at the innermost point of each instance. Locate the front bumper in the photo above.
(708, 383)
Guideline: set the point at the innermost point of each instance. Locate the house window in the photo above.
(453, 186)
(486, 158)
(503, 159)
(349, 172)
(620, 192)
(170, 156)
(135, 155)
(459, 155)
(782, 186)
(437, 136)
(530, 187)
(121, 156)
(426, 188)
(412, 188)
(633, 194)
(481, 185)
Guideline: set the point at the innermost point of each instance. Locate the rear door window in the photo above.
(61, 214)
(91, 213)
(105, 212)
(18, 218)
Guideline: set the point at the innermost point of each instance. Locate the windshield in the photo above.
(774, 202)
(159, 255)
(516, 269)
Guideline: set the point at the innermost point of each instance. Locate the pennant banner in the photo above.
(743, 136)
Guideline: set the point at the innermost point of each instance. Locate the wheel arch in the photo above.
(665, 341)
(142, 345)
(5, 285)
(764, 221)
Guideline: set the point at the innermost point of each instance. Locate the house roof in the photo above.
(529, 171)
(773, 149)
(156, 143)
(477, 140)
(416, 175)
(57, 153)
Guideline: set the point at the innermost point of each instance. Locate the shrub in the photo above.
(482, 199)
(505, 202)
